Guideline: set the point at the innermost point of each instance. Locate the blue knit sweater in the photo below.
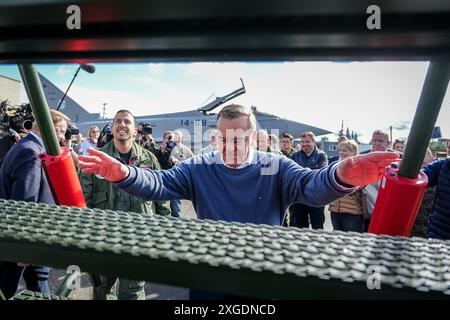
(258, 193)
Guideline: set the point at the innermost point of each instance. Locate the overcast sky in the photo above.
(367, 96)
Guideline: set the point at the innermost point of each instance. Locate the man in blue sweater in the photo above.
(238, 183)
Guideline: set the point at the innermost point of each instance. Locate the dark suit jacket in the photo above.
(21, 174)
(333, 159)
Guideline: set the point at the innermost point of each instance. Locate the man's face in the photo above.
(379, 142)
(60, 129)
(213, 138)
(168, 137)
(148, 137)
(123, 127)
(263, 141)
(177, 138)
(285, 144)
(399, 146)
(307, 144)
(345, 152)
(234, 140)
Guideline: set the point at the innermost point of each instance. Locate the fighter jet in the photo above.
(195, 124)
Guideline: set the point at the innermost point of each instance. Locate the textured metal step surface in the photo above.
(31, 295)
(244, 259)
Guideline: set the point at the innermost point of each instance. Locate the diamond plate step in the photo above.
(245, 259)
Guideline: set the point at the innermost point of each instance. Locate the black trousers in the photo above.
(35, 278)
(302, 216)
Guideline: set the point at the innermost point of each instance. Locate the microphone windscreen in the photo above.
(90, 68)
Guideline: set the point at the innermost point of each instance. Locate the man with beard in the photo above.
(102, 194)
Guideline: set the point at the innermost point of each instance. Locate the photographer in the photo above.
(164, 153)
(149, 143)
(72, 131)
(169, 154)
(144, 137)
(15, 123)
(105, 136)
(138, 134)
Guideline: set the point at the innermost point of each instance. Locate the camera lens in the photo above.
(27, 124)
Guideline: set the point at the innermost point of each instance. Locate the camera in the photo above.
(105, 136)
(71, 131)
(170, 144)
(146, 128)
(17, 118)
(14, 120)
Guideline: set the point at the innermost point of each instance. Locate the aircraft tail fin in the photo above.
(221, 100)
(69, 107)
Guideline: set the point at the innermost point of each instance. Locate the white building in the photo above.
(10, 90)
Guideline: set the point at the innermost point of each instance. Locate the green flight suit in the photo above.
(102, 194)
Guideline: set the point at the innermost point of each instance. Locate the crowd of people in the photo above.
(242, 175)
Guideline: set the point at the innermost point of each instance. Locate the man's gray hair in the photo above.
(233, 111)
(381, 132)
(179, 133)
(263, 132)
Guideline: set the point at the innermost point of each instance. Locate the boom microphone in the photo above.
(89, 68)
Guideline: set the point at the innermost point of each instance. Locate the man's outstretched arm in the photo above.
(146, 184)
(319, 187)
(100, 163)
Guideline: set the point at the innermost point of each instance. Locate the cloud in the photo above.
(221, 77)
(367, 96)
(153, 82)
(62, 70)
(402, 125)
(140, 104)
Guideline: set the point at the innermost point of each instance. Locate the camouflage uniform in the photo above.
(423, 215)
(102, 194)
